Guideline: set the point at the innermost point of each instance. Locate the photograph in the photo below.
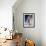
(29, 19)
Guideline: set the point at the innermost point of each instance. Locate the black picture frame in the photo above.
(28, 20)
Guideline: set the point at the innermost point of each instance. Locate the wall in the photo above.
(43, 22)
(6, 13)
(29, 6)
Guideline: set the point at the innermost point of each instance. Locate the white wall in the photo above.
(43, 22)
(38, 34)
(29, 6)
(6, 13)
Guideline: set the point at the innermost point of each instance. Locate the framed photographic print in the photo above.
(29, 20)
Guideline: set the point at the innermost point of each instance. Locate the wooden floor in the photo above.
(16, 41)
(9, 43)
